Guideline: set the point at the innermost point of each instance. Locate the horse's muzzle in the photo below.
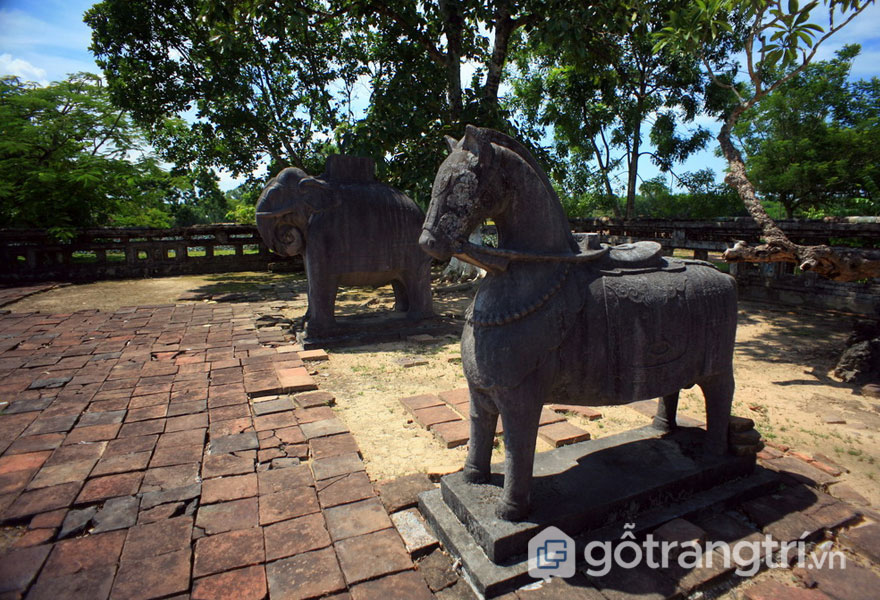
(437, 248)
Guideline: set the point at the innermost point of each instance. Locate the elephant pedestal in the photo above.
(364, 329)
(586, 489)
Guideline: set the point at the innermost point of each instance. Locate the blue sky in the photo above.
(44, 40)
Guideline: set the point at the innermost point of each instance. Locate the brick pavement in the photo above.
(183, 452)
(447, 414)
(162, 452)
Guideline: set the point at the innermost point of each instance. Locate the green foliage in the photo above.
(70, 159)
(811, 144)
(704, 198)
(594, 78)
(242, 201)
(258, 77)
(63, 157)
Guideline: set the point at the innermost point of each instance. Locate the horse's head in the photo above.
(461, 198)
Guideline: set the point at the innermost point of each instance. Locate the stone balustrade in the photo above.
(94, 254)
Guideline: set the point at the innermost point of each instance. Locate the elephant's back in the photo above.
(374, 228)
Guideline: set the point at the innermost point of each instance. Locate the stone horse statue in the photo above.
(558, 320)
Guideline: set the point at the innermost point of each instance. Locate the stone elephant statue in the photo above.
(351, 230)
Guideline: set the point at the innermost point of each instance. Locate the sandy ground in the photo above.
(782, 362)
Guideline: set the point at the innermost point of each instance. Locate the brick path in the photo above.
(8, 295)
(182, 452)
(446, 415)
(146, 453)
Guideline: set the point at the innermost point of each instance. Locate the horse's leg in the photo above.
(718, 391)
(484, 417)
(664, 420)
(520, 413)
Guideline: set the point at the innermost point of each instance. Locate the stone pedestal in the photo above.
(583, 489)
(361, 330)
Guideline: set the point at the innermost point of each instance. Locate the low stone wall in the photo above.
(95, 254)
(32, 255)
(776, 282)
(719, 234)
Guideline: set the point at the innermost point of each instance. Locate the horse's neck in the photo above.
(533, 219)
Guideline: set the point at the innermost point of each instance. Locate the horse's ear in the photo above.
(451, 142)
(472, 141)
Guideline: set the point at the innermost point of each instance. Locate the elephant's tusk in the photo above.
(277, 213)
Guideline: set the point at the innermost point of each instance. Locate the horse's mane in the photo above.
(502, 139)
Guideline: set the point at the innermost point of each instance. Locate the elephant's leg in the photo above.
(520, 412)
(664, 420)
(417, 281)
(718, 391)
(484, 418)
(401, 298)
(322, 301)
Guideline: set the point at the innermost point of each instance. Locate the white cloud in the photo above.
(55, 43)
(21, 30)
(22, 68)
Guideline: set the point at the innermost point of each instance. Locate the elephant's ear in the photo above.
(318, 194)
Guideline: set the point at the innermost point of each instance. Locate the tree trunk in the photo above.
(633, 171)
(453, 26)
(603, 166)
(504, 26)
(839, 264)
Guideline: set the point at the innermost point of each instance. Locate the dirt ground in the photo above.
(783, 358)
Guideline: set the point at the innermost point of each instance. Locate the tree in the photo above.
(810, 145)
(595, 78)
(779, 42)
(260, 79)
(276, 83)
(242, 202)
(70, 159)
(704, 198)
(63, 158)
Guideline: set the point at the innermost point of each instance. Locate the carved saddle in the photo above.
(625, 258)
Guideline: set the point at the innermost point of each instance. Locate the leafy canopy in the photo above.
(810, 145)
(69, 159)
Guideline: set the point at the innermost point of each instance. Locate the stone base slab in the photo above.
(362, 330)
(492, 579)
(590, 484)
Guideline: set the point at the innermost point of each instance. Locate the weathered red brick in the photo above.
(357, 518)
(70, 556)
(158, 538)
(242, 584)
(309, 575)
(343, 489)
(43, 500)
(229, 488)
(110, 486)
(219, 465)
(153, 577)
(19, 567)
(296, 536)
(229, 550)
(279, 480)
(372, 555)
(562, 434)
(287, 504)
(408, 584)
(23, 462)
(226, 516)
